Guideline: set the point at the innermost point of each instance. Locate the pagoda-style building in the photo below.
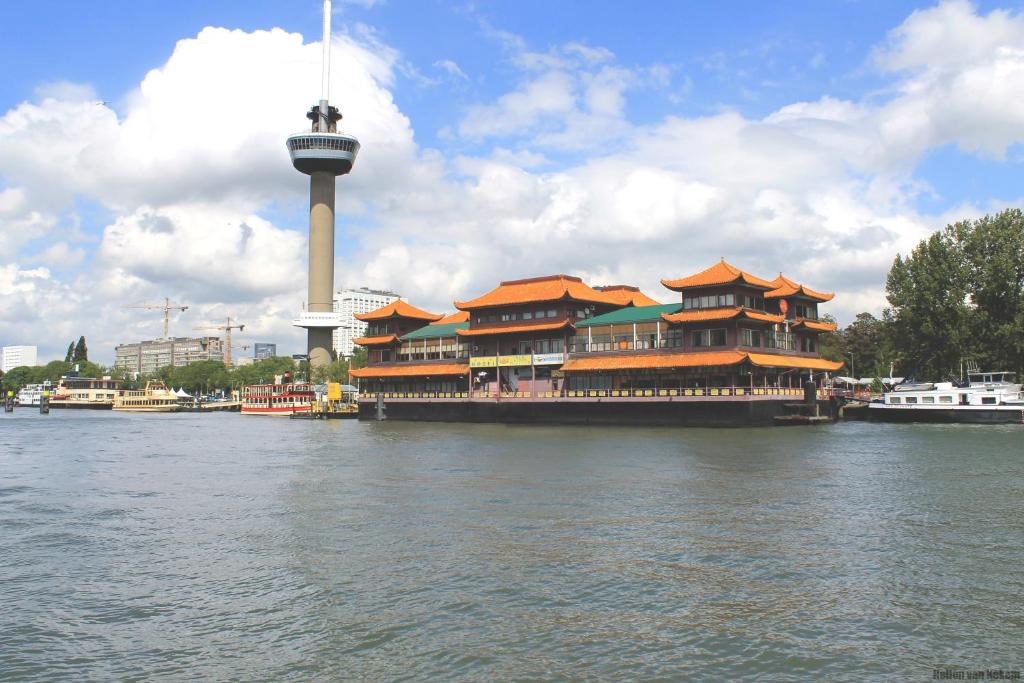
(733, 349)
(396, 362)
(519, 330)
(732, 334)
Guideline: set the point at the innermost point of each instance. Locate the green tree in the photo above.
(994, 251)
(71, 353)
(960, 296)
(358, 358)
(928, 314)
(867, 346)
(262, 371)
(81, 351)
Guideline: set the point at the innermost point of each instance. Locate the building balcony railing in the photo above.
(617, 394)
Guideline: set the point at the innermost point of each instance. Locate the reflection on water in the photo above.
(220, 547)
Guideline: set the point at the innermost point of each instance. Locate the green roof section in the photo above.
(435, 331)
(631, 314)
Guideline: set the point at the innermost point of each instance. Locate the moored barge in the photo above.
(986, 398)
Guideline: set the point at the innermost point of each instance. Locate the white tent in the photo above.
(181, 393)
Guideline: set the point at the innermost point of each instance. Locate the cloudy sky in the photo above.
(142, 149)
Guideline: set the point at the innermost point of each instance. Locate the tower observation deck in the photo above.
(322, 153)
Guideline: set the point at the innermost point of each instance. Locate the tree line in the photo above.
(956, 301)
(200, 377)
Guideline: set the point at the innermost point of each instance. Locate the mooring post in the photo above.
(811, 396)
(9, 402)
(44, 403)
(380, 406)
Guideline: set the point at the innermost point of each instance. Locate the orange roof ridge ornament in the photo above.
(542, 278)
(398, 309)
(722, 273)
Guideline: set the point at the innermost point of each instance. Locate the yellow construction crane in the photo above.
(226, 329)
(166, 307)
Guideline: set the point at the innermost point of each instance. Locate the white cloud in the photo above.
(823, 190)
(451, 68)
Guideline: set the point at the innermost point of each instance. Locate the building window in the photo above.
(709, 338)
(672, 338)
(710, 301)
(808, 345)
(750, 337)
(527, 315)
(754, 302)
(538, 314)
(552, 314)
(809, 311)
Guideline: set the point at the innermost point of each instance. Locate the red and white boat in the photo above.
(277, 399)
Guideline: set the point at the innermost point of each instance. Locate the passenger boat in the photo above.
(155, 398)
(31, 394)
(85, 392)
(277, 399)
(987, 398)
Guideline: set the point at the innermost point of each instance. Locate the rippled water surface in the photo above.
(222, 547)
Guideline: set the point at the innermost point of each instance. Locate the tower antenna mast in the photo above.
(325, 84)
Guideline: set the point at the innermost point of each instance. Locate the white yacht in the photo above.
(987, 397)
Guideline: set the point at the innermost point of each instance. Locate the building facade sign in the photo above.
(548, 358)
(483, 362)
(515, 360)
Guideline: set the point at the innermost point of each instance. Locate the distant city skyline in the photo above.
(499, 141)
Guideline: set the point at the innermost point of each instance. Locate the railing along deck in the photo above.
(675, 394)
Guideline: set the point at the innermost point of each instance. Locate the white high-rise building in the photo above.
(15, 356)
(350, 302)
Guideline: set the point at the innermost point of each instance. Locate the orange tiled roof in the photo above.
(816, 325)
(653, 360)
(456, 317)
(720, 314)
(627, 295)
(419, 370)
(398, 309)
(781, 361)
(369, 341)
(547, 288)
(783, 286)
(721, 273)
(541, 327)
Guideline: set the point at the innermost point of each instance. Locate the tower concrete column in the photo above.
(321, 263)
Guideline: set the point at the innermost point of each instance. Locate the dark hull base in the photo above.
(947, 416)
(654, 413)
(78, 406)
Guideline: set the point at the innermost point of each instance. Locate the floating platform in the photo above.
(790, 420)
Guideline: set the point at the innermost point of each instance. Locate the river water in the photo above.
(222, 547)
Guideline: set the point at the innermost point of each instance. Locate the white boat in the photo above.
(155, 398)
(987, 398)
(31, 394)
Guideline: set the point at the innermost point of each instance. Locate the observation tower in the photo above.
(322, 153)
